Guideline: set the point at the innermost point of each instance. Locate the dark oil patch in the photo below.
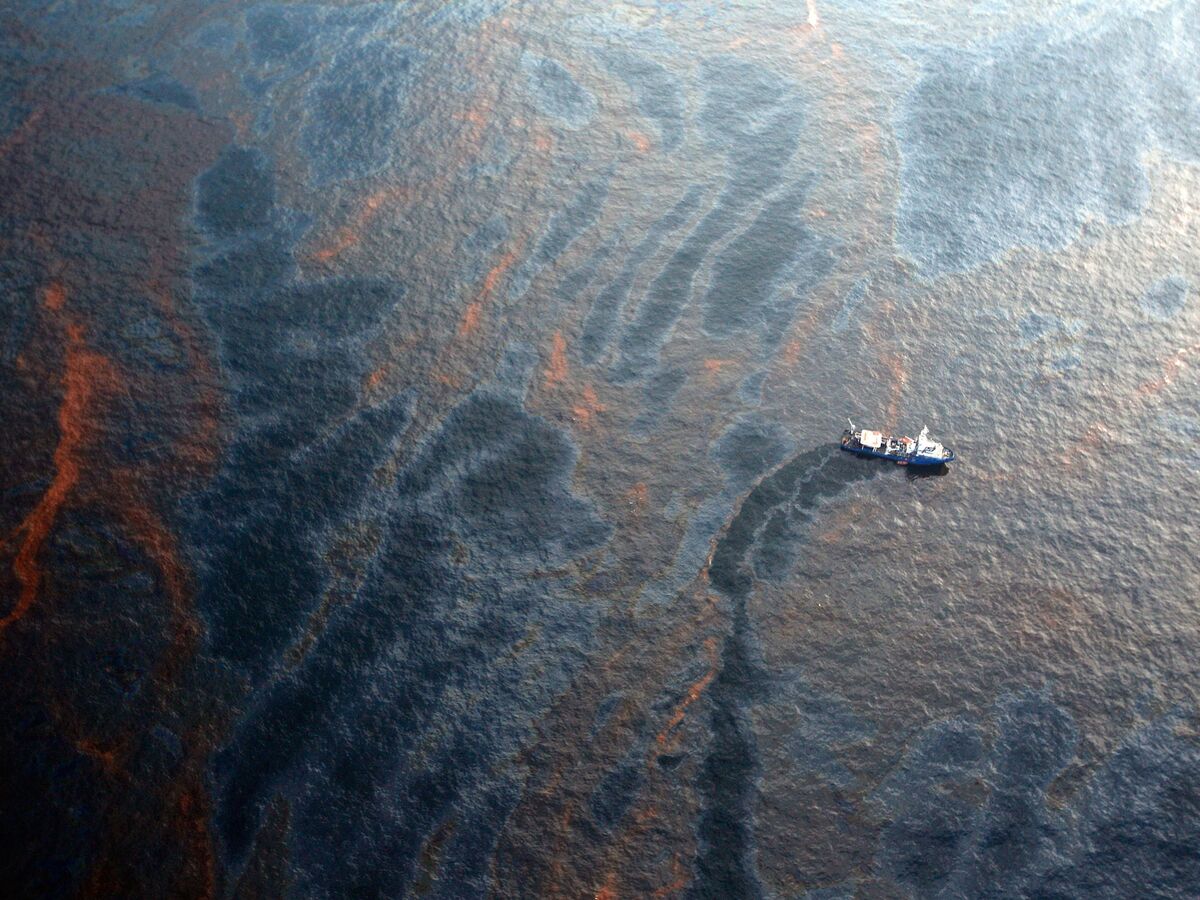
(724, 862)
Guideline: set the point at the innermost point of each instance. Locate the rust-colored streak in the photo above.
(588, 407)
(430, 857)
(194, 813)
(1170, 370)
(497, 271)
(895, 365)
(242, 124)
(471, 318)
(345, 238)
(54, 297)
(714, 367)
(199, 449)
(160, 545)
(792, 351)
(84, 372)
(641, 142)
(666, 737)
(448, 379)
(556, 370)
(550, 806)
(477, 118)
(840, 522)
(638, 497)
(106, 757)
(682, 879)
(349, 235)
(474, 312)
(466, 144)
(375, 378)
(176, 407)
(1094, 434)
(22, 132)
(1099, 430)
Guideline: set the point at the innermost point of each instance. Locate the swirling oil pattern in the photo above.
(419, 462)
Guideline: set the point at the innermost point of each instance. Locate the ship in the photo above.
(903, 451)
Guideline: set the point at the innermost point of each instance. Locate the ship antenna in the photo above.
(851, 421)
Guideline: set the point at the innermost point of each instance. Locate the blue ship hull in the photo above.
(902, 451)
(900, 459)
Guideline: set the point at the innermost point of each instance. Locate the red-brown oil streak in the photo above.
(643, 818)
(1170, 369)
(666, 737)
(714, 367)
(812, 37)
(88, 380)
(638, 497)
(1144, 393)
(588, 407)
(641, 142)
(200, 448)
(199, 451)
(84, 373)
(86, 471)
(469, 138)
(21, 132)
(556, 369)
(895, 365)
(665, 741)
(682, 879)
(54, 297)
(349, 235)
(474, 312)
(840, 521)
(624, 666)
(679, 877)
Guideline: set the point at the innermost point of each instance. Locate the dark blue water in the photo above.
(421, 475)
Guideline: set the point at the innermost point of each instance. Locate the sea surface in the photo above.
(419, 469)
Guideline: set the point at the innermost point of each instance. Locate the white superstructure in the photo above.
(926, 447)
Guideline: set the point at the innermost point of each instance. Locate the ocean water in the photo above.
(420, 473)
